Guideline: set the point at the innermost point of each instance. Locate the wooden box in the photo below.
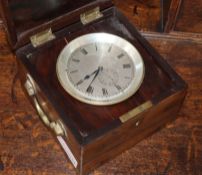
(90, 135)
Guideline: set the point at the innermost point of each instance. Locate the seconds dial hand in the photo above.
(117, 86)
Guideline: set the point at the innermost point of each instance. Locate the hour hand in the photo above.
(87, 77)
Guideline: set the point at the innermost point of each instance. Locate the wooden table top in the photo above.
(27, 147)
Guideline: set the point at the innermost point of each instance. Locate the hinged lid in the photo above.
(24, 19)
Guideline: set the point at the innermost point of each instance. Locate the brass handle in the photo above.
(56, 126)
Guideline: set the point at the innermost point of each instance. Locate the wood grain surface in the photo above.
(27, 147)
(189, 17)
(146, 15)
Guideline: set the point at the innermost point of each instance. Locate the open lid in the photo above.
(25, 18)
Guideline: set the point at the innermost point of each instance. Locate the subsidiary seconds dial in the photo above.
(100, 69)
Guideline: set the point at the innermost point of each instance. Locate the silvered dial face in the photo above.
(100, 69)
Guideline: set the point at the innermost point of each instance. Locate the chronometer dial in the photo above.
(100, 69)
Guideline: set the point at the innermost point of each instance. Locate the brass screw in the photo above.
(137, 123)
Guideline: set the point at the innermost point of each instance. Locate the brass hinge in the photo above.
(42, 37)
(134, 112)
(91, 16)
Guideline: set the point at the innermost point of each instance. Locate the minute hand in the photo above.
(96, 74)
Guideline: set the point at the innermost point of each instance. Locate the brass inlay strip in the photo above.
(134, 112)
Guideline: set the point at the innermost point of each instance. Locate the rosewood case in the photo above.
(90, 135)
